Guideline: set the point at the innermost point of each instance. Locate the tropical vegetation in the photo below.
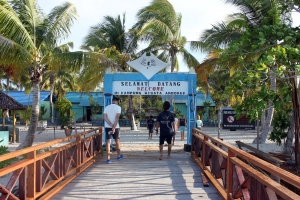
(252, 62)
(257, 50)
(28, 41)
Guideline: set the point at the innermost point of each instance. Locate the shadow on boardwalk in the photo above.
(140, 175)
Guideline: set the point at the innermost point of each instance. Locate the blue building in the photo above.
(180, 103)
(81, 105)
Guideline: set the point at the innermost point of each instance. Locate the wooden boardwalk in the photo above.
(140, 175)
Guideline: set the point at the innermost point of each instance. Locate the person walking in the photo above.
(175, 127)
(150, 125)
(112, 114)
(199, 123)
(182, 125)
(165, 121)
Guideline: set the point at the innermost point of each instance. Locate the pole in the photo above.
(219, 122)
(257, 141)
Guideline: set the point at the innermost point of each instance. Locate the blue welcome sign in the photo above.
(134, 83)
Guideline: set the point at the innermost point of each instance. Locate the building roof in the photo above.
(82, 98)
(26, 99)
(200, 99)
(7, 102)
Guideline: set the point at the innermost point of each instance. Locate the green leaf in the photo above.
(261, 67)
(280, 34)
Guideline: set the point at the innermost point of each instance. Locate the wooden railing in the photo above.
(41, 175)
(237, 174)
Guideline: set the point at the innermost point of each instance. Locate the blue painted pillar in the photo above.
(191, 109)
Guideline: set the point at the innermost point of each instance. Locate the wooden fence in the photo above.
(41, 174)
(237, 174)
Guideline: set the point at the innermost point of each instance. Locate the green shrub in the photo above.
(4, 150)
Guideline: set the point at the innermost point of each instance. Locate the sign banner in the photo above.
(230, 122)
(150, 88)
(148, 65)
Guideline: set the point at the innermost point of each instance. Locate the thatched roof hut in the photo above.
(6, 102)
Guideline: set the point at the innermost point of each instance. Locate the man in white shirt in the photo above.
(112, 114)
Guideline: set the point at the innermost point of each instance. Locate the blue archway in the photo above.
(159, 84)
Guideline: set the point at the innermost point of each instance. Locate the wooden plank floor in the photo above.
(140, 175)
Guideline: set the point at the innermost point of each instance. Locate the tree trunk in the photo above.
(296, 105)
(28, 142)
(133, 126)
(267, 125)
(263, 120)
(52, 80)
(287, 147)
(172, 70)
(36, 78)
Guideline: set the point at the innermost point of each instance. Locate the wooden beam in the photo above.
(265, 180)
(262, 154)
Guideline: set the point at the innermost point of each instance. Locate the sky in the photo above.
(197, 15)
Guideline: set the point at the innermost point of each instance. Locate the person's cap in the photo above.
(115, 98)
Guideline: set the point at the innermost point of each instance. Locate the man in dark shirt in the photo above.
(165, 121)
(150, 124)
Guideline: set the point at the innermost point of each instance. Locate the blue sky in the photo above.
(197, 15)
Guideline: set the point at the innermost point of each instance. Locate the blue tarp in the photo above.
(26, 99)
(83, 98)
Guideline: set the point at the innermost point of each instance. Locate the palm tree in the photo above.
(110, 38)
(27, 37)
(50, 75)
(160, 26)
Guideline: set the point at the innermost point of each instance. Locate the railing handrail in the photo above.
(232, 155)
(61, 163)
(20, 152)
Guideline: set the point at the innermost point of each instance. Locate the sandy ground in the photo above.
(136, 141)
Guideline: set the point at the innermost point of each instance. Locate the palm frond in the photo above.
(188, 58)
(13, 53)
(11, 27)
(157, 29)
(58, 23)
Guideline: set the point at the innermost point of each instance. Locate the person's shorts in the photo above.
(182, 128)
(150, 130)
(168, 138)
(116, 135)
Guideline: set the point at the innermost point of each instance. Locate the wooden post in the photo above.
(31, 179)
(3, 120)
(204, 151)
(78, 141)
(229, 174)
(14, 126)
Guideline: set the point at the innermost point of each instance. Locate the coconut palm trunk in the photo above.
(29, 139)
(133, 126)
(270, 111)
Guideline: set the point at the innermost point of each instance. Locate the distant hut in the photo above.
(8, 103)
